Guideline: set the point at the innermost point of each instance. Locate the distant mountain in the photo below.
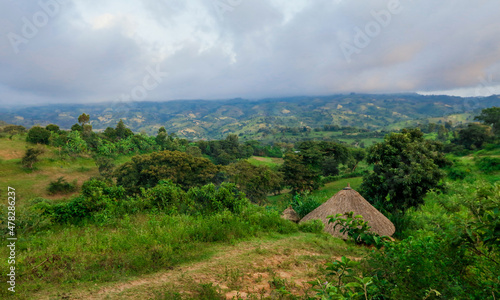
(196, 119)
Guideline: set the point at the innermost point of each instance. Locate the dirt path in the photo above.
(248, 268)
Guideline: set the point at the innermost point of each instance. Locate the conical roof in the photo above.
(349, 200)
(290, 214)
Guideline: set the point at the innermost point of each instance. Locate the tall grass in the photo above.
(132, 245)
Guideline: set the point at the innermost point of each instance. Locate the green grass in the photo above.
(33, 183)
(133, 245)
(271, 162)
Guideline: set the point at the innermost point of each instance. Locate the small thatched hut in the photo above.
(290, 214)
(349, 200)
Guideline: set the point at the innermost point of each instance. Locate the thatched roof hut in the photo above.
(349, 200)
(290, 214)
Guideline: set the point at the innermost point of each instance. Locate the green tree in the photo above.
(442, 133)
(13, 130)
(110, 133)
(76, 127)
(122, 131)
(83, 119)
(406, 167)
(491, 116)
(193, 150)
(105, 166)
(299, 176)
(52, 127)
(255, 181)
(473, 136)
(162, 129)
(38, 135)
(212, 199)
(182, 169)
(32, 156)
(358, 155)
(75, 144)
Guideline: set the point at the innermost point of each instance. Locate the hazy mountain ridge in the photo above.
(216, 118)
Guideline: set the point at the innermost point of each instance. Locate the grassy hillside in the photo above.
(111, 244)
(33, 183)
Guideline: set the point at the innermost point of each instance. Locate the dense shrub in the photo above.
(210, 199)
(410, 268)
(458, 173)
(166, 196)
(489, 164)
(61, 186)
(312, 226)
(32, 156)
(182, 169)
(96, 197)
(75, 144)
(304, 204)
(406, 167)
(256, 181)
(452, 246)
(38, 135)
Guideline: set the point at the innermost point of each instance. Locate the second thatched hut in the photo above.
(290, 214)
(349, 200)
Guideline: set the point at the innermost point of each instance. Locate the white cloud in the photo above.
(98, 50)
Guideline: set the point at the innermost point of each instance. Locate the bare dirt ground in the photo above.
(8, 154)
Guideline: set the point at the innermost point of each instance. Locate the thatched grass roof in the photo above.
(290, 214)
(349, 200)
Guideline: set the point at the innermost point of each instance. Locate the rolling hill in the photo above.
(203, 119)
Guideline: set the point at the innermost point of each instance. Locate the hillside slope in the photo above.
(197, 119)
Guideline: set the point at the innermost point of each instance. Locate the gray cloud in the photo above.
(99, 50)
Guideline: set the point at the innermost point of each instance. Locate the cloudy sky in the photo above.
(102, 50)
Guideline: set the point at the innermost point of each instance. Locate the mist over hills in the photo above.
(213, 119)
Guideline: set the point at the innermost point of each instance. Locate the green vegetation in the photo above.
(286, 120)
(406, 167)
(32, 156)
(61, 186)
(156, 203)
(181, 168)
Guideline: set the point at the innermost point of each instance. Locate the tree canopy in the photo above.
(406, 167)
(491, 116)
(180, 168)
(38, 135)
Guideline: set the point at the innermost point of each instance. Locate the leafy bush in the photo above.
(356, 228)
(166, 196)
(75, 144)
(415, 266)
(406, 167)
(304, 204)
(30, 218)
(453, 247)
(458, 171)
(61, 186)
(489, 164)
(32, 156)
(38, 135)
(312, 226)
(182, 169)
(210, 199)
(342, 282)
(96, 197)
